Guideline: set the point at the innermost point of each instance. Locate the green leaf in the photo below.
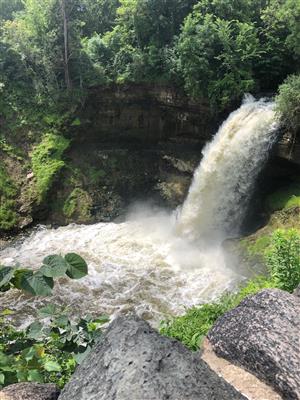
(6, 274)
(22, 375)
(76, 122)
(20, 277)
(34, 331)
(38, 285)
(52, 366)
(35, 376)
(80, 357)
(62, 321)
(103, 319)
(54, 266)
(29, 354)
(77, 267)
(2, 378)
(48, 311)
(7, 311)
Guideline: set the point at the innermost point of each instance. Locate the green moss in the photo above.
(259, 245)
(8, 216)
(78, 203)
(95, 175)
(47, 162)
(284, 199)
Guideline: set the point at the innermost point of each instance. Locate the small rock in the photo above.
(30, 176)
(262, 335)
(134, 362)
(30, 391)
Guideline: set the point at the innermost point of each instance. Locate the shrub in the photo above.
(49, 349)
(288, 102)
(283, 259)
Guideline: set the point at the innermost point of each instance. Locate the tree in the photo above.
(8, 8)
(216, 57)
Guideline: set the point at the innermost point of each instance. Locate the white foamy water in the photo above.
(154, 264)
(138, 265)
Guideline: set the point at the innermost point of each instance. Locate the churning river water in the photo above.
(158, 263)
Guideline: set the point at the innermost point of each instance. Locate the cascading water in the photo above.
(154, 263)
(223, 182)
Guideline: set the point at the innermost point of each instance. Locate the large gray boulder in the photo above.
(262, 334)
(134, 362)
(30, 391)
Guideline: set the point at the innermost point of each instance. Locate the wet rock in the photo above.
(29, 391)
(262, 335)
(134, 362)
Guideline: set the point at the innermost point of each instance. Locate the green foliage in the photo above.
(288, 102)
(49, 349)
(78, 203)
(259, 245)
(282, 256)
(192, 327)
(283, 259)
(284, 198)
(216, 49)
(8, 192)
(217, 57)
(47, 162)
(41, 281)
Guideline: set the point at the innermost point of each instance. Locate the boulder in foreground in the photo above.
(134, 362)
(29, 391)
(262, 335)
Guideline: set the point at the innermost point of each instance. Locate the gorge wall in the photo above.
(138, 142)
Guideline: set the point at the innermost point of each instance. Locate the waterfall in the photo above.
(224, 181)
(154, 263)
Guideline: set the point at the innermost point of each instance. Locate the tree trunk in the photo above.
(66, 46)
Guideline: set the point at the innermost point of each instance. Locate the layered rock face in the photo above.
(131, 143)
(133, 362)
(262, 335)
(136, 142)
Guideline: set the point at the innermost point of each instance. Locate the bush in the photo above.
(49, 349)
(283, 259)
(288, 102)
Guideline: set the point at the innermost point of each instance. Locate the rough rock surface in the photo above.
(134, 362)
(297, 291)
(29, 391)
(262, 334)
(245, 382)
